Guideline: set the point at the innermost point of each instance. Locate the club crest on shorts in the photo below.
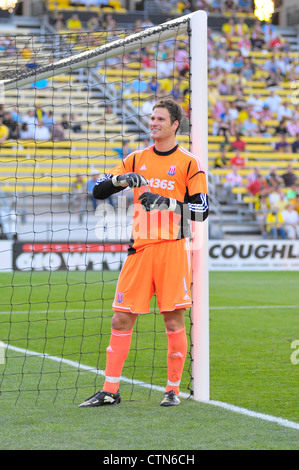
(172, 170)
(120, 297)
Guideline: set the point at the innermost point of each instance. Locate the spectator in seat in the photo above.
(282, 145)
(239, 143)
(258, 187)
(292, 127)
(262, 207)
(7, 119)
(229, 6)
(94, 176)
(41, 132)
(65, 122)
(110, 116)
(182, 60)
(277, 198)
(13, 127)
(216, 6)
(273, 101)
(124, 150)
(273, 80)
(228, 28)
(49, 120)
(233, 180)
(250, 127)
(275, 224)
(16, 117)
(238, 160)
(232, 112)
(257, 41)
(263, 130)
(266, 113)
(78, 196)
(58, 132)
(252, 176)
(289, 178)
(39, 112)
(284, 111)
(147, 107)
(74, 23)
(153, 85)
(256, 102)
(4, 132)
(25, 133)
(245, 46)
(201, 5)
(59, 23)
(281, 129)
(295, 201)
(269, 31)
(241, 28)
(295, 145)
(291, 221)
(222, 160)
(273, 178)
(238, 63)
(31, 120)
(244, 6)
(75, 125)
(240, 101)
(224, 87)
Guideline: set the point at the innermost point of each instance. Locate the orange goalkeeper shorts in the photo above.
(163, 268)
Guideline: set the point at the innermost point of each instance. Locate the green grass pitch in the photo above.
(253, 325)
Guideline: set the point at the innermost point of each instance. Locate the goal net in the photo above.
(73, 105)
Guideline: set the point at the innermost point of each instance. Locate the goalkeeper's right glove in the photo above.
(133, 180)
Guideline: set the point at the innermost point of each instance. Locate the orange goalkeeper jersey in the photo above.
(177, 174)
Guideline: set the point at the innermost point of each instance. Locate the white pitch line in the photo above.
(236, 409)
(244, 307)
(231, 307)
(273, 419)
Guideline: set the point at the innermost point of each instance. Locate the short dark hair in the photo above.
(173, 108)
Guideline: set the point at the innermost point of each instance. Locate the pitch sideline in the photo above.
(236, 409)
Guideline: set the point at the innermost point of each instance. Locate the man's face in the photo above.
(160, 124)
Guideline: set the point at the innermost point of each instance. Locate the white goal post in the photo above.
(199, 146)
(195, 24)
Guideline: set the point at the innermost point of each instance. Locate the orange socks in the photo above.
(116, 354)
(177, 352)
(118, 350)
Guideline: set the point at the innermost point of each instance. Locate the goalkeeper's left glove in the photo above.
(134, 180)
(150, 202)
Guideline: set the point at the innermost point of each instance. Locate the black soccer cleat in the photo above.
(101, 399)
(170, 399)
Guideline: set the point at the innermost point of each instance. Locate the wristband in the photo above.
(172, 204)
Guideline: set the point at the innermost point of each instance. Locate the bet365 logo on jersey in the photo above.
(163, 184)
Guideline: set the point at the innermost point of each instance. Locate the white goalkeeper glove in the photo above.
(133, 180)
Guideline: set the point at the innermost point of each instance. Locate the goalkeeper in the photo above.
(170, 190)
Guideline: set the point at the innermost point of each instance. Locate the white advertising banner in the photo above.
(257, 255)
(6, 249)
(224, 255)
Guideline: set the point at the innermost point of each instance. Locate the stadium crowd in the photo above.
(174, 7)
(233, 115)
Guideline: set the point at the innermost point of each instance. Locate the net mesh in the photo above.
(74, 105)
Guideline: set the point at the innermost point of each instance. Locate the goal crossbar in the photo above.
(98, 54)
